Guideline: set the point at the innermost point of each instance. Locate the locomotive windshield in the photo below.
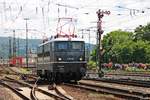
(61, 46)
(76, 46)
(69, 45)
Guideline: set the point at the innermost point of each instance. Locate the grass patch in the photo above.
(25, 71)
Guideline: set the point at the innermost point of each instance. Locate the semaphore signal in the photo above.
(100, 15)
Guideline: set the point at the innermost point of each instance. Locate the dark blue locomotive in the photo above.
(61, 59)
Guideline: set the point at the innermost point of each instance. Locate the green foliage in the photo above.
(121, 46)
(25, 71)
(126, 47)
(93, 55)
(133, 69)
(91, 65)
(142, 33)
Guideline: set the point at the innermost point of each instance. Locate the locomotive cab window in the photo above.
(77, 46)
(61, 46)
(71, 45)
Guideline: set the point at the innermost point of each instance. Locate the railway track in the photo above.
(129, 74)
(14, 90)
(118, 92)
(34, 90)
(146, 74)
(33, 96)
(131, 82)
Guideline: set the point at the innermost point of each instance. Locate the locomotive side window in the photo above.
(46, 50)
(52, 46)
(40, 54)
(47, 47)
(39, 51)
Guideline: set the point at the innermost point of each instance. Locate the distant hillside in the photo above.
(4, 46)
(33, 43)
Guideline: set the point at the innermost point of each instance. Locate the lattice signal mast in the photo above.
(100, 15)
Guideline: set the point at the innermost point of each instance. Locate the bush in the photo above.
(91, 65)
(133, 69)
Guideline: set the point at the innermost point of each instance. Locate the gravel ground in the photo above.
(80, 94)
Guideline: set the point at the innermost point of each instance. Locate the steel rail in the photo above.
(14, 90)
(129, 74)
(32, 93)
(38, 89)
(124, 74)
(131, 82)
(59, 92)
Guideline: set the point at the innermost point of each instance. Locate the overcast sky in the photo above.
(43, 15)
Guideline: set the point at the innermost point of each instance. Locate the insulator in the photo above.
(143, 11)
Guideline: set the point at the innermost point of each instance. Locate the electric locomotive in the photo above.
(62, 58)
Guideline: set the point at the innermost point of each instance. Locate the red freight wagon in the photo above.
(16, 61)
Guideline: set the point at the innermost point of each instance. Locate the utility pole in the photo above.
(100, 15)
(89, 41)
(14, 44)
(82, 33)
(18, 46)
(26, 41)
(89, 47)
(4, 7)
(10, 49)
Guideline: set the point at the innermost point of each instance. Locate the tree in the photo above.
(142, 33)
(116, 45)
(93, 55)
(141, 52)
(126, 47)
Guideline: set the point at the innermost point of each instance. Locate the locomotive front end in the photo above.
(70, 59)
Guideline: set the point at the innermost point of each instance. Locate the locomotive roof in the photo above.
(61, 39)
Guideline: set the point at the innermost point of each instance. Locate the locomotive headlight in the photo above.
(59, 59)
(81, 59)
